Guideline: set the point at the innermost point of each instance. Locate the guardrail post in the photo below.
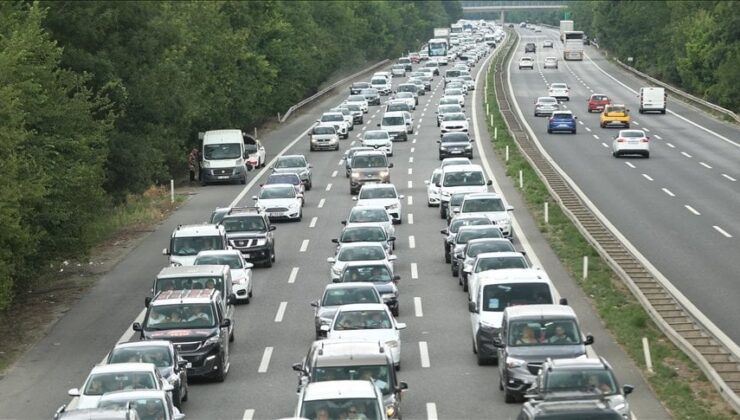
(585, 267)
(521, 179)
(255, 132)
(507, 149)
(172, 190)
(646, 351)
(487, 108)
(279, 117)
(547, 213)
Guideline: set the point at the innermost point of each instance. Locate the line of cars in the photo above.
(627, 141)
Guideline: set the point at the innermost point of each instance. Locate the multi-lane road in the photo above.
(275, 330)
(680, 207)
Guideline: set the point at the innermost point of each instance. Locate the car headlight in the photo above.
(355, 175)
(390, 411)
(175, 264)
(388, 296)
(484, 324)
(442, 147)
(393, 206)
(392, 343)
(261, 241)
(469, 146)
(325, 321)
(211, 341)
(512, 363)
(445, 194)
(293, 205)
(335, 270)
(205, 164)
(468, 267)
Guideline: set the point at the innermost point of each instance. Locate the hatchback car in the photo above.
(118, 377)
(372, 95)
(323, 137)
(241, 270)
(378, 140)
(562, 121)
(380, 275)
(597, 102)
(407, 97)
(295, 164)
(382, 195)
(546, 105)
(284, 178)
(366, 232)
(337, 120)
(332, 399)
(559, 91)
(358, 99)
(358, 251)
(280, 201)
(372, 215)
(550, 63)
(446, 109)
(631, 142)
(526, 63)
(433, 188)
(457, 94)
(530, 47)
(615, 115)
(454, 122)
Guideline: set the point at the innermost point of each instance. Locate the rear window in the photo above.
(393, 121)
(500, 263)
(497, 297)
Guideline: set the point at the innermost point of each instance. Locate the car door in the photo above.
(475, 315)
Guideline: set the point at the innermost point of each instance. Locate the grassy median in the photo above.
(680, 385)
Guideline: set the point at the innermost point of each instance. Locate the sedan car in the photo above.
(559, 91)
(284, 178)
(358, 99)
(356, 87)
(526, 63)
(455, 144)
(149, 404)
(631, 142)
(398, 70)
(280, 201)
(550, 63)
(366, 232)
(372, 322)
(363, 215)
(394, 105)
(530, 47)
(562, 121)
(380, 275)
(372, 95)
(546, 105)
(358, 251)
(379, 140)
(457, 94)
(338, 294)
(454, 226)
(547, 43)
(615, 116)
(382, 195)
(454, 122)
(296, 164)
(445, 109)
(407, 97)
(241, 270)
(357, 112)
(597, 102)
(337, 120)
(118, 377)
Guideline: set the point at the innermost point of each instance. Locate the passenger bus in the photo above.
(573, 47)
(437, 47)
(456, 28)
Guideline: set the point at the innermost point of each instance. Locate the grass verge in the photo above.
(679, 384)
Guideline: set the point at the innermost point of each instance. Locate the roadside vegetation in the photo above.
(677, 381)
(101, 100)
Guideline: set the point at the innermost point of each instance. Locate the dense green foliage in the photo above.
(99, 100)
(694, 45)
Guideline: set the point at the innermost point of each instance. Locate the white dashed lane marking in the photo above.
(411, 159)
(281, 312)
(293, 275)
(410, 171)
(646, 176)
(630, 164)
(334, 174)
(304, 245)
(410, 218)
(321, 203)
(424, 354)
(705, 165)
(411, 185)
(658, 137)
(313, 222)
(596, 137)
(686, 154)
(670, 145)
(667, 191)
(412, 242)
(588, 129)
(417, 307)
(328, 187)
(410, 200)
(414, 271)
(722, 231)
(265, 363)
(431, 411)
(729, 177)
(691, 209)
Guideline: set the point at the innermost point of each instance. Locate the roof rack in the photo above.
(245, 209)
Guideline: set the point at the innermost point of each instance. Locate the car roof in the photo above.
(169, 297)
(333, 113)
(393, 113)
(133, 394)
(343, 352)
(547, 97)
(378, 187)
(123, 367)
(580, 362)
(506, 254)
(217, 253)
(359, 244)
(369, 152)
(273, 186)
(376, 131)
(523, 275)
(481, 196)
(338, 390)
(530, 311)
(462, 168)
(349, 284)
(298, 156)
(197, 230)
(196, 270)
(146, 343)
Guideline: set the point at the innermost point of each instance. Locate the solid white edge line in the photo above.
(265, 362)
(424, 354)
(281, 311)
(431, 411)
(418, 311)
(293, 275)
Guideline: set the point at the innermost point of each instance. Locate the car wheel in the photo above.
(647, 155)
(603, 125)
(309, 185)
(440, 157)
(398, 367)
(185, 394)
(300, 216)
(482, 361)
(455, 270)
(395, 312)
(626, 126)
(509, 398)
(447, 254)
(231, 336)
(311, 148)
(549, 131)
(221, 375)
(642, 111)
(442, 213)
(574, 131)
(464, 282)
(470, 156)
(243, 180)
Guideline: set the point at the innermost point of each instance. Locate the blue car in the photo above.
(561, 121)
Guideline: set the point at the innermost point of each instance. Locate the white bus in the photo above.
(573, 46)
(437, 47)
(456, 28)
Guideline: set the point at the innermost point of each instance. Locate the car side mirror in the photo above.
(472, 140)
(147, 301)
(254, 197)
(489, 182)
(426, 182)
(335, 240)
(231, 299)
(498, 343)
(401, 196)
(272, 227)
(589, 340)
(299, 195)
(563, 301)
(248, 265)
(396, 278)
(226, 323)
(509, 208)
(390, 165)
(378, 124)
(344, 222)
(392, 257)
(298, 367)
(324, 328)
(315, 304)
(167, 387)
(182, 364)
(627, 389)
(391, 239)
(472, 307)
(438, 185)
(165, 251)
(354, 198)
(136, 326)
(331, 260)
(400, 325)
(444, 232)
(178, 415)
(74, 392)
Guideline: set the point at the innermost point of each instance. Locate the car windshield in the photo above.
(146, 408)
(360, 215)
(332, 117)
(191, 245)
(449, 108)
(233, 261)
(483, 204)
(180, 316)
(397, 107)
(497, 297)
(370, 161)
(277, 192)
(559, 86)
(354, 108)
(189, 283)
(363, 234)
(453, 92)
(362, 320)
(356, 98)
(222, 151)
(159, 356)
(283, 179)
(100, 383)
(404, 95)
(616, 109)
(399, 67)
(371, 193)
(456, 116)
(586, 380)
(294, 161)
(324, 130)
(489, 246)
(381, 81)
(435, 177)
(599, 98)
(452, 73)
(464, 236)
(498, 263)
(448, 101)
(335, 408)
(457, 223)
(407, 88)
(526, 59)
(391, 121)
(361, 253)
(457, 199)
(562, 116)
(250, 148)
(631, 133)
(348, 296)
(458, 179)
(372, 274)
(369, 92)
(455, 137)
(244, 224)
(378, 374)
(542, 332)
(376, 135)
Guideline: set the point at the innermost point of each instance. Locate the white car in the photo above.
(490, 205)
(457, 83)
(550, 63)
(488, 261)
(241, 270)
(165, 409)
(385, 74)
(433, 188)
(368, 321)
(454, 161)
(407, 97)
(360, 215)
(340, 396)
(358, 100)
(456, 94)
(117, 377)
(382, 195)
(469, 81)
(559, 91)
(409, 120)
(378, 139)
(337, 120)
(631, 142)
(445, 109)
(398, 70)
(358, 251)
(454, 122)
(255, 151)
(526, 63)
(280, 202)
(442, 61)
(348, 117)
(382, 84)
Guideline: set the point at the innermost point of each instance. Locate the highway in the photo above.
(276, 329)
(678, 208)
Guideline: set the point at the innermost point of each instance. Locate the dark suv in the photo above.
(249, 231)
(196, 323)
(530, 47)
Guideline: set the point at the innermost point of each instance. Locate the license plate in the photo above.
(189, 366)
(633, 142)
(455, 152)
(223, 177)
(275, 214)
(246, 255)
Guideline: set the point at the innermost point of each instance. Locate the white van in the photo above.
(395, 124)
(652, 99)
(460, 179)
(382, 84)
(223, 157)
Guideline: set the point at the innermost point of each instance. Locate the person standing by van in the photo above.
(194, 163)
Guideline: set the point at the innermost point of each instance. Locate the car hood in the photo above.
(223, 163)
(540, 353)
(245, 235)
(323, 136)
(327, 312)
(491, 318)
(184, 335)
(375, 141)
(378, 202)
(238, 275)
(182, 259)
(87, 401)
(366, 171)
(370, 335)
(494, 216)
(278, 202)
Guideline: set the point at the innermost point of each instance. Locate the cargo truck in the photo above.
(565, 26)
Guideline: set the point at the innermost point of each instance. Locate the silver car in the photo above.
(338, 294)
(546, 105)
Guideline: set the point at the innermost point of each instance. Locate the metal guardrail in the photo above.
(715, 354)
(329, 89)
(681, 93)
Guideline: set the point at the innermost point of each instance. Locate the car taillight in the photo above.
(644, 140)
(620, 140)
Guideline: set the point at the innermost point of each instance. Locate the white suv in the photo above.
(490, 205)
(378, 139)
(395, 124)
(460, 179)
(337, 120)
(382, 195)
(454, 122)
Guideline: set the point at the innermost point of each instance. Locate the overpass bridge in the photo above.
(503, 6)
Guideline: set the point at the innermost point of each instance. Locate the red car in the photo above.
(415, 58)
(597, 102)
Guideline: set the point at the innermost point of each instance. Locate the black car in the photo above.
(249, 230)
(530, 47)
(455, 144)
(357, 87)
